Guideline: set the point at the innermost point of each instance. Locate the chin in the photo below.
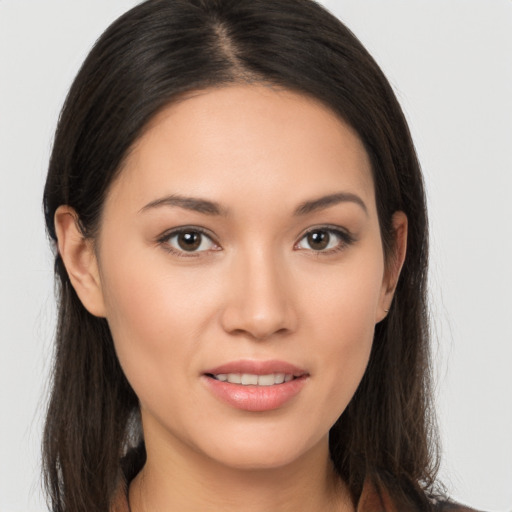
(264, 450)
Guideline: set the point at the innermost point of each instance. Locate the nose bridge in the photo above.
(260, 303)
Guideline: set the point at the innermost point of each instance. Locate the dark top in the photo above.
(372, 500)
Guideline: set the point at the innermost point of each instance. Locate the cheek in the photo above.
(344, 299)
(343, 324)
(155, 316)
(160, 316)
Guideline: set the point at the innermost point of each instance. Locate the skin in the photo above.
(256, 289)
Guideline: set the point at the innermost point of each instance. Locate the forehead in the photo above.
(245, 142)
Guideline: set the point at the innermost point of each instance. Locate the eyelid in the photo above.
(163, 240)
(346, 237)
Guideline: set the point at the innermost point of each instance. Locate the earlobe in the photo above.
(78, 255)
(394, 265)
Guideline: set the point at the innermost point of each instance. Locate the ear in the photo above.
(394, 264)
(79, 257)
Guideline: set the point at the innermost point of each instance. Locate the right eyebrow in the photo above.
(195, 204)
(330, 200)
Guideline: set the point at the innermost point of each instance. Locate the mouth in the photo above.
(256, 386)
(248, 372)
(252, 379)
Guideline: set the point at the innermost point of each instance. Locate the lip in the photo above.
(256, 398)
(258, 368)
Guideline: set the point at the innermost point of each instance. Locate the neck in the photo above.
(190, 482)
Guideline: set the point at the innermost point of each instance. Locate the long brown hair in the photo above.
(145, 59)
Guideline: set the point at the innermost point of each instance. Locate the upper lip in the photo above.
(257, 368)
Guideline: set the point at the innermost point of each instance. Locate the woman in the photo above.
(242, 251)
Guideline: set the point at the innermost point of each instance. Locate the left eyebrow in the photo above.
(329, 200)
(188, 203)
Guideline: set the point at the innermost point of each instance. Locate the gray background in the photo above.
(450, 62)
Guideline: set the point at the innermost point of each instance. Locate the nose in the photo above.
(260, 303)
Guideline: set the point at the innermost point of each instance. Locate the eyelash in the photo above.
(166, 237)
(345, 240)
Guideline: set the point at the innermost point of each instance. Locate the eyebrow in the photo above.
(329, 200)
(208, 207)
(188, 203)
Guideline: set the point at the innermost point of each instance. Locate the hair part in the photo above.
(147, 59)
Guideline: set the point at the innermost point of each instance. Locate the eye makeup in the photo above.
(194, 241)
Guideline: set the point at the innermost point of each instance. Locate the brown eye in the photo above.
(325, 240)
(318, 240)
(189, 241)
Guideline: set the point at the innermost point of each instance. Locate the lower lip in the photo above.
(255, 398)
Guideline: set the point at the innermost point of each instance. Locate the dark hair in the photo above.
(145, 60)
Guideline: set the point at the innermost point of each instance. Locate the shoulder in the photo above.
(377, 498)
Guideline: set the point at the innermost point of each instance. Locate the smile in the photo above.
(256, 386)
(251, 379)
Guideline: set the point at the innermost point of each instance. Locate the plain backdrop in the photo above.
(450, 62)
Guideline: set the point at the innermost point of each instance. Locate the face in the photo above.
(241, 271)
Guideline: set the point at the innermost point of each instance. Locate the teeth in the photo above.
(234, 378)
(279, 378)
(249, 379)
(266, 380)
